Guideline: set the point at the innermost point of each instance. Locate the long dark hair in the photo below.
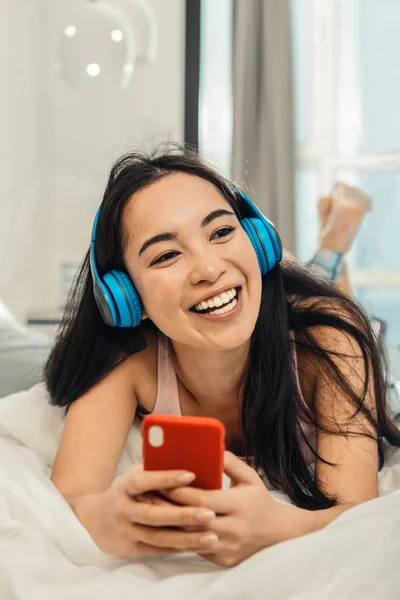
(86, 349)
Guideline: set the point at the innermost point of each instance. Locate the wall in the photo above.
(57, 143)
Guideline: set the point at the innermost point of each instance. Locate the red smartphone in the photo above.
(194, 444)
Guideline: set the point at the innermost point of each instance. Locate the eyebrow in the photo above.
(168, 236)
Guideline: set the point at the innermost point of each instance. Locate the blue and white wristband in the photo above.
(328, 263)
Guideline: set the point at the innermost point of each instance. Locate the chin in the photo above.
(231, 340)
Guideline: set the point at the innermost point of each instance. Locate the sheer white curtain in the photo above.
(263, 131)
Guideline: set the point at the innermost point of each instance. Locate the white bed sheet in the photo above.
(45, 553)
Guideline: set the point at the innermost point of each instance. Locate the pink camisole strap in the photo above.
(167, 402)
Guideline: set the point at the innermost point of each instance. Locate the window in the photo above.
(347, 94)
(215, 94)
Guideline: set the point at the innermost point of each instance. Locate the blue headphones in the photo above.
(120, 304)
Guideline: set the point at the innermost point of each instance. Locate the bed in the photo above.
(45, 553)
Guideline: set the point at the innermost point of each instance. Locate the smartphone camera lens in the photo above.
(156, 436)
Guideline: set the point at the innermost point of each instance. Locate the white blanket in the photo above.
(45, 553)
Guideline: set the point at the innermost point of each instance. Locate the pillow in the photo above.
(22, 354)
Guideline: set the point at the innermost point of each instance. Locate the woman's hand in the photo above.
(248, 517)
(129, 520)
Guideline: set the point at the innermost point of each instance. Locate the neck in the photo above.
(212, 377)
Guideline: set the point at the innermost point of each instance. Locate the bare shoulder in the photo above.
(332, 340)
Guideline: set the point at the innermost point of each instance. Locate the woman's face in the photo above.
(192, 263)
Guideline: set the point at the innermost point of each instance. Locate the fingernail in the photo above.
(204, 515)
(186, 478)
(208, 539)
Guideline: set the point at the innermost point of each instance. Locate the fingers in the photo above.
(144, 498)
(180, 540)
(142, 549)
(168, 515)
(238, 471)
(153, 498)
(147, 481)
(220, 501)
(228, 529)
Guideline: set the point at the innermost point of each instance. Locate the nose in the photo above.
(206, 268)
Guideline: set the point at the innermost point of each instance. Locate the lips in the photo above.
(224, 313)
(216, 301)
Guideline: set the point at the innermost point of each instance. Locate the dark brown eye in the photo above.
(165, 257)
(223, 232)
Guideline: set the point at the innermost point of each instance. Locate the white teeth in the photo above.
(217, 300)
(225, 309)
(225, 297)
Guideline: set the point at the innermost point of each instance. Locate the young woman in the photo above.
(284, 359)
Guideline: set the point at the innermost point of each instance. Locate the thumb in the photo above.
(238, 471)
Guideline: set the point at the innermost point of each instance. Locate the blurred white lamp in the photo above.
(97, 47)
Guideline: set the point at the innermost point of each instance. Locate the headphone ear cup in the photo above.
(105, 302)
(256, 243)
(263, 238)
(126, 299)
(133, 297)
(275, 239)
(262, 233)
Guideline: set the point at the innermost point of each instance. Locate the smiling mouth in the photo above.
(218, 305)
